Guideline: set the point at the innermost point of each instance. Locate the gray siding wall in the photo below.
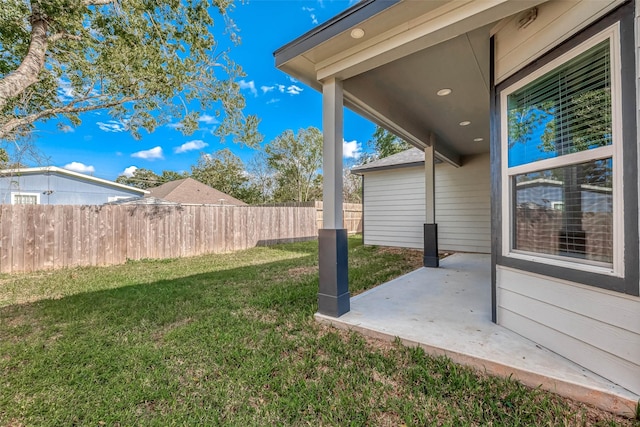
(66, 190)
(595, 328)
(463, 205)
(394, 211)
(394, 206)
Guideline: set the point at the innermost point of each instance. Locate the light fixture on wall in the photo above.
(478, 139)
(465, 123)
(526, 18)
(357, 33)
(444, 92)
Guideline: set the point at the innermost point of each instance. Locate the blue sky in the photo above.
(101, 146)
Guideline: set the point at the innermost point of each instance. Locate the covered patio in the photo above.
(447, 311)
(448, 78)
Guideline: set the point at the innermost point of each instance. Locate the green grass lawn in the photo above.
(230, 339)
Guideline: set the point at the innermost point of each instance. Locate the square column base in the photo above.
(431, 258)
(333, 293)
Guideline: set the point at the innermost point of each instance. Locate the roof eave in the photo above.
(351, 17)
(55, 169)
(362, 170)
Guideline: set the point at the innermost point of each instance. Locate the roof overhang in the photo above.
(61, 171)
(410, 50)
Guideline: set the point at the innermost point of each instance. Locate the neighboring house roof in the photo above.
(190, 191)
(405, 159)
(61, 171)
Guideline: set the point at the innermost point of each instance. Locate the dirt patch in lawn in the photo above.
(413, 257)
(296, 272)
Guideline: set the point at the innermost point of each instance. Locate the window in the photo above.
(25, 198)
(561, 174)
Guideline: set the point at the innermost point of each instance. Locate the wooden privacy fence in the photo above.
(351, 213)
(38, 237)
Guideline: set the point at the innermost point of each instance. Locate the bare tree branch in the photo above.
(8, 127)
(29, 70)
(98, 2)
(58, 36)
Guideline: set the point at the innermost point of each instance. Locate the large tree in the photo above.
(384, 144)
(226, 172)
(262, 178)
(146, 62)
(296, 160)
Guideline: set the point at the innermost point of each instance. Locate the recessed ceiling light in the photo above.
(357, 33)
(465, 123)
(444, 92)
(478, 139)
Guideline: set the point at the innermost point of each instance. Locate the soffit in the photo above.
(405, 92)
(392, 17)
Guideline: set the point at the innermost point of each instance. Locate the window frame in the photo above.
(23, 193)
(613, 151)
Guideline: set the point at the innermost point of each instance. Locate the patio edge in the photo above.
(602, 399)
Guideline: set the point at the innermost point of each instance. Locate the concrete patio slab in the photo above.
(447, 311)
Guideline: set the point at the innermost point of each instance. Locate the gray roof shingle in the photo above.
(190, 191)
(407, 158)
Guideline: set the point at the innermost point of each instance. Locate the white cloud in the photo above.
(291, 89)
(207, 119)
(267, 89)
(112, 126)
(128, 172)
(314, 19)
(249, 85)
(351, 149)
(66, 129)
(79, 167)
(196, 144)
(273, 101)
(150, 154)
(65, 91)
(292, 80)
(294, 90)
(174, 126)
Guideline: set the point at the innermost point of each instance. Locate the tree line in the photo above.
(288, 169)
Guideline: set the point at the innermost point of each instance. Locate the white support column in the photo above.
(430, 258)
(333, 289)
(430, 180)
(332, 124)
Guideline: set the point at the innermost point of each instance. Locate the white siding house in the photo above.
(51, 185)
(394, 202)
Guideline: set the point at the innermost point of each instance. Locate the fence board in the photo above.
(48, 237)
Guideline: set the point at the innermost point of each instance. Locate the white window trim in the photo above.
(614, 151)
(23, 193)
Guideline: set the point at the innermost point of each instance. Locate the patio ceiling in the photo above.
(405, 92)
(409, 52)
